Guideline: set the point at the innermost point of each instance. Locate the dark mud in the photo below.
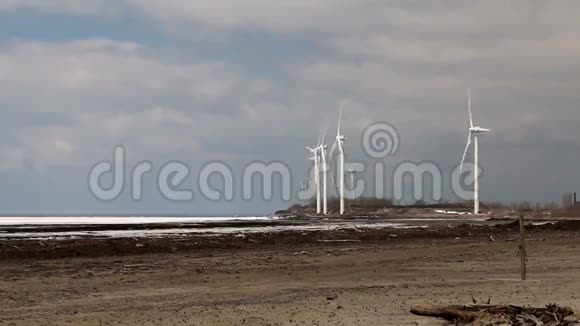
(11, 249)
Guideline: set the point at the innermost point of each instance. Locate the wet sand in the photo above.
(333, 277)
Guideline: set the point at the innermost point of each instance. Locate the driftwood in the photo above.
(483, 315)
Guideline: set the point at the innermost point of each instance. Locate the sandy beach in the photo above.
(332, 277)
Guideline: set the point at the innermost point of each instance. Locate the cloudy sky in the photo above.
(240, 81)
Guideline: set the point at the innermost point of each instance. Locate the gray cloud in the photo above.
(407, 62)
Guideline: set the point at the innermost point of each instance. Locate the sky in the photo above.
(244, 81)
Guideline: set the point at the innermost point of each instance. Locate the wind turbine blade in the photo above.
(469, 106)
(339, 119)
(323, 133)
(332, 149)
(465, 152)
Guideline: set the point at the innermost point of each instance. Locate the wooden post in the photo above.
(523, 254)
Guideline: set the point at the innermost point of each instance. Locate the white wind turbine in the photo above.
(352, 172)
(316, 175)
(339, 142)
(305, 185)
(474, 132)
(322, 150)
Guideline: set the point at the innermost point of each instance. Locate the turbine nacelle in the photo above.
(477, 130)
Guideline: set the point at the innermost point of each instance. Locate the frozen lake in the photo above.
(41, 228)
(87, 220)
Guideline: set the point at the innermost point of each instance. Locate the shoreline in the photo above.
(330, 236)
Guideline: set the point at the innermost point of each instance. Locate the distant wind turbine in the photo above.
(474, 132)
(305, 185)
(322, 150)
(339, 143)
(352, 185)
(314, 151)
(319, 153)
